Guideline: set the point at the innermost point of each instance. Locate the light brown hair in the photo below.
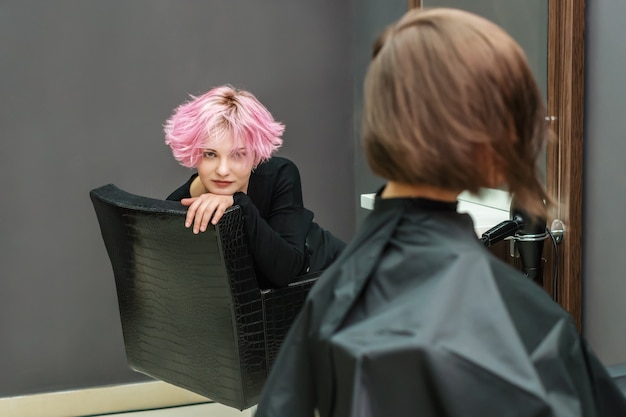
(449, 98)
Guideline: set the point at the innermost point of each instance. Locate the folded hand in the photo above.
(204, 209)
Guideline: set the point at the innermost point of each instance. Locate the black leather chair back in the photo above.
(192, 313)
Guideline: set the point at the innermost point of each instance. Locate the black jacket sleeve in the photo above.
(277, 239)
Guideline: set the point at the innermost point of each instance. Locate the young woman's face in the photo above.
(225, 171)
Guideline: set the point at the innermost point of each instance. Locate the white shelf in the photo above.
(486, 210)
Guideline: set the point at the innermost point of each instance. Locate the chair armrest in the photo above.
(280, 308)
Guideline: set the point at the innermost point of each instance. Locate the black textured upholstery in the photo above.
(192, 313)
(280, 307)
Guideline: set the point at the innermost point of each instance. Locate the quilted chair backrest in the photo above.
(189, 304)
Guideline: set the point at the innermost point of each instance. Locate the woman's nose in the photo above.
(223, 167)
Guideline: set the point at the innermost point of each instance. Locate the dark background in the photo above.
(86, 85)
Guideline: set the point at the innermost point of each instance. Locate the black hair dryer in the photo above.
(529, 240)
(528, 234)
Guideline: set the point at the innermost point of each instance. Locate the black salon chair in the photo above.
(192, 313)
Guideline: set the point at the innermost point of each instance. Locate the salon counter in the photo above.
(486, 210)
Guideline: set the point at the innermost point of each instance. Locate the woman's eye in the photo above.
(208, 154)
(239, 155)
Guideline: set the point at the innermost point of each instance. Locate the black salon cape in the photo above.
(417, 318)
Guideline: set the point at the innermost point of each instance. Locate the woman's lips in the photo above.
(222, 183)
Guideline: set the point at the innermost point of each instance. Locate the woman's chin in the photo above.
(223, 191)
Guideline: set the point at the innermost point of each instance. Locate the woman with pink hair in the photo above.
(229, 137)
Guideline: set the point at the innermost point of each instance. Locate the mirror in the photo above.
(563, 88)
(527, 23)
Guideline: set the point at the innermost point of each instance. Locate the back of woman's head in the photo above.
(451, 102)
(221, 113)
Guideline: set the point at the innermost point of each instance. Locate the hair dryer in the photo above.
(529, 241)
(528, 234)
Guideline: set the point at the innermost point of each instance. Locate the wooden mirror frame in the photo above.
(564, 162)
(564, 174)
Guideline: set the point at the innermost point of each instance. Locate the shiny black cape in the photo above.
(418, 318)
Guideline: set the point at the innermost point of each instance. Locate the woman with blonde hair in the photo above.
(416, 317)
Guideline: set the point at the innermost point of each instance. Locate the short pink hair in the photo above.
(220, 112)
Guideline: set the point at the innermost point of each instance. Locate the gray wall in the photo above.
(370, 17)
(526, 21)
(85, 88)
(604, 191)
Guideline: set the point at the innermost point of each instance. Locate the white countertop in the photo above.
(486, 210)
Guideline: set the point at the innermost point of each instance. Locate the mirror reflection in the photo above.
(527, 22)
